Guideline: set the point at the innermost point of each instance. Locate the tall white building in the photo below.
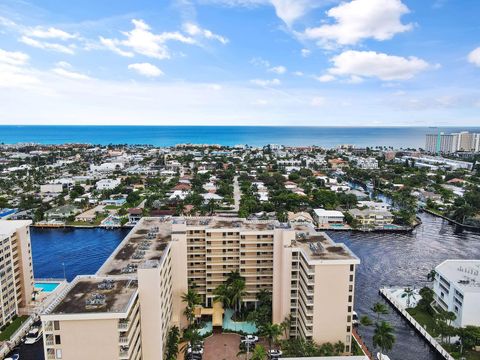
(457, 289)
(450, 143)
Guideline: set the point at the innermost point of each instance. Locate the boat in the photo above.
(381, 356)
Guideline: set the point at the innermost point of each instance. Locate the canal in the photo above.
(387, 259)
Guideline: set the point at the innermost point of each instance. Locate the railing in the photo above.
(433, 342)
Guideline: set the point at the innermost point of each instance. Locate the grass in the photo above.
(12, 327)
(424, 318)
(467, 354)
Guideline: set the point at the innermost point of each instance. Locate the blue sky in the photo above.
(240, 62)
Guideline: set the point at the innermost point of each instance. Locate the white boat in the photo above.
(381, 356)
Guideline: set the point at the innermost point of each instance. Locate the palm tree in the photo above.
(191, 298)
(192, 337)
(286, 323)
(431, 275)
(272, 333)
(237, 292)
(172, 343)
(223, 295)
(259, 353)
(408, 293)
(383, 337)
(379, 309)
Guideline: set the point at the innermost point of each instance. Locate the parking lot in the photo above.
(222, 347)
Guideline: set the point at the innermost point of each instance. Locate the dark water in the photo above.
(404, 260)
(387, 259)
(398, 137)
(82, 251)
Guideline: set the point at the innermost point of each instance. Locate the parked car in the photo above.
(249, 339)
(33, 336)
(196, 349)
(13, 357)
(275, 354)
(193, 356)
(355, 321)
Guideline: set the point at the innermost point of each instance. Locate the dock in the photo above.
(419, 328)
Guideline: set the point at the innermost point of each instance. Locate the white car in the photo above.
(355, 321)
(275, 354)
(33, 336)
(195, 350)
(381, 356)
(249, 339)
(13, 357)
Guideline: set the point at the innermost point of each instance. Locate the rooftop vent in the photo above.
(106, 285)
(96, 300)
(317, 248)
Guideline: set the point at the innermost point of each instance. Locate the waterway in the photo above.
(386, 260)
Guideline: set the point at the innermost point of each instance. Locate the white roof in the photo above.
(8, 227)
(465, 274)
(331, 213)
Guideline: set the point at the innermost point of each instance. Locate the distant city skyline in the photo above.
(240, 62)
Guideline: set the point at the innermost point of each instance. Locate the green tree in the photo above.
(259, 353)
(408, 293)
(172, 343)
(379, 309)
(383, 337)
(272, 332)
(192, 299)
(469, 336)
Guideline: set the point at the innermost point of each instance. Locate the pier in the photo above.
(419, 328)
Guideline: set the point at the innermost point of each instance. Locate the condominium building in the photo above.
(450, 143)
(457, 289)
(135, 297)
(16, 272)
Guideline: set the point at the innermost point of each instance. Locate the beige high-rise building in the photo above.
(16, 271)
(126, 310)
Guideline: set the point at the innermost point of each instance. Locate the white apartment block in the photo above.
(327, 217)
(450, 143)
(16, 272)
(160, 258)
(457, 289)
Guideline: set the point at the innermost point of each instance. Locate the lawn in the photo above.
(424, 318)
(10, 329)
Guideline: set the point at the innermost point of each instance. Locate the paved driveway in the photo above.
(222, 347)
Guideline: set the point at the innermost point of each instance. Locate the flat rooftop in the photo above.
(319, 246)
(146, 242)
(8, 227)
(97, 295)
(465, 274)
(231, 223)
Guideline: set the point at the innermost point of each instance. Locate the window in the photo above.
(57, 340)
(58, 353)
(56, 325)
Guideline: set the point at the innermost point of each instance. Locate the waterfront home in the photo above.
(327, 217)
(374, 205)
(457, 289)
(91, 214)
(61, 212)
(300, 218)
(134, 215)
(369, 217)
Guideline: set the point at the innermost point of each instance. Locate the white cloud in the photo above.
(50, 33)
(305, 52)
(358, 64)
(195, 30)
(474, 57)
(13, 57)
(298, 73)
(146, 69)
(287, 10)
(111, 45)
(142, 41)
(70, 74)
(265, 82)
(48, 45)
(325, 78)
(278, 69)
(13, 73)
(361, 19)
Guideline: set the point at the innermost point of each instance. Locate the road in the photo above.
(30, 352)
(237, 194)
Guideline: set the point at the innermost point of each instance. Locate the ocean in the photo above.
(397, 137)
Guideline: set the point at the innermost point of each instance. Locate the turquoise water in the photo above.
(229, 324)
(207, 328)
(225, 135)
(46, 286)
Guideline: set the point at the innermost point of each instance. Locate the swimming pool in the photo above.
(46, 286)
(245, 326)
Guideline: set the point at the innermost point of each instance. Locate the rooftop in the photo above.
(465, 274)
(147, 241)
(8, 227)
(97, 295)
